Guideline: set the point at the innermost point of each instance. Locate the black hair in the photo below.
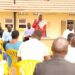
(25, 39)
(70, 35)
(37, 34)
(15, 34)
(72, 41)
(1, 32)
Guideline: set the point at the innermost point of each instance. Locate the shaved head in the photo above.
(60, 45)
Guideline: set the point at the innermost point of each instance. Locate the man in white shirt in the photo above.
(68, 30)
(33, 49)
(7, 34)
(28, 31)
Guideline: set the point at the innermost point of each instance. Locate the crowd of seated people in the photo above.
(10, 42)
(57, 65)
(61, 53)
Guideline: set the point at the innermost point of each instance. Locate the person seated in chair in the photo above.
(3, 55)
(57, 65)
(14, 43)
(34, 49)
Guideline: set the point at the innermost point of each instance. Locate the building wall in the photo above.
(53, 22)
(4, 16)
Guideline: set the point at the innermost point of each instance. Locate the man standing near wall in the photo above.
(28, 32)
(7, 34)
(68, 30)
(40, 24)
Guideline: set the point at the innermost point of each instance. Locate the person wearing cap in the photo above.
(40, 24)
(34, 49)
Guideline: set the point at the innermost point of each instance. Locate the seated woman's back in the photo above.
(13, 46)
(14, 43)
